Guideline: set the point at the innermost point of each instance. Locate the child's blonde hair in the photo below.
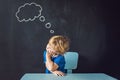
(59, 43)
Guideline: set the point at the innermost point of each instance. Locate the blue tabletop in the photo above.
(80, 76)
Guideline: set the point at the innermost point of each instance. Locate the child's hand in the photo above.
(49, 54)
(50, 50)
(58, 73)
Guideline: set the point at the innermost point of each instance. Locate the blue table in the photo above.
(80, 76)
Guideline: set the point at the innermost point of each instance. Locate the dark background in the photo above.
(92, 26)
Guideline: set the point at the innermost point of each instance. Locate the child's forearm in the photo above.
(51, 66)
(49, 63)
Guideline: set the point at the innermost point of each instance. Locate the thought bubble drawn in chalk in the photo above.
(48, 25)
(51, 31)
(28, 12)
(42, 18)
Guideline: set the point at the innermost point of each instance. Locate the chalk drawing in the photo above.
(22, 17)
(52, 31)
(42, 18)
(48, 25)
(30, 12)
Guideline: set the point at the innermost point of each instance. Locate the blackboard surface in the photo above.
(27, 25)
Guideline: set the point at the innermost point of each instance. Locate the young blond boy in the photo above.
(54, 55)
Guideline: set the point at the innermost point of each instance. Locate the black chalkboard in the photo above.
(27, 25)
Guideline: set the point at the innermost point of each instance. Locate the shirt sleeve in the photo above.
(44, 56)
(60, 61)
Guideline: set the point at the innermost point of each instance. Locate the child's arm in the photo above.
(51, 66)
